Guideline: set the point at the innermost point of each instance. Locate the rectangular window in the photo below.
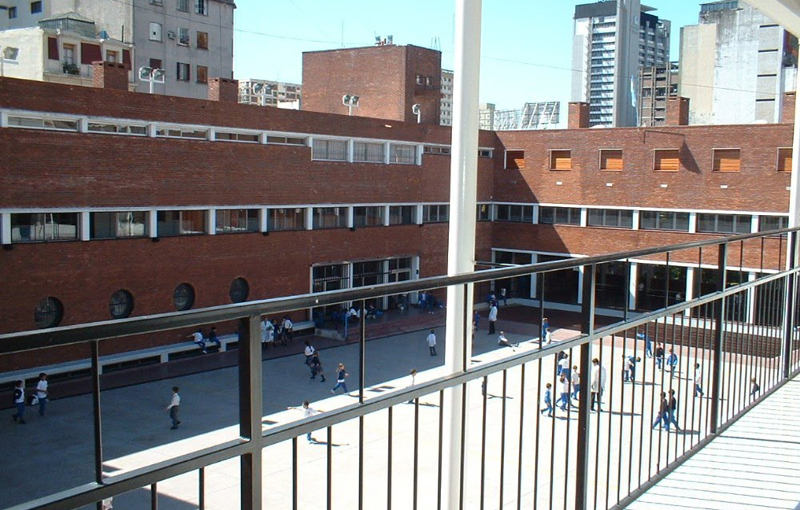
(666, 160)
(116, 225)
(724, 223)
(436, 150)
(611, 159)
(155, 63)
(370, 216)
(661, 220)
(330, 217)
(120, 129)
(560, 160)
(12, 12)
(112, 56)
(36, 7)
(41, 123)
(329, 150)
(180, 223)
(202, 74)
(483, 212)
(785, 159)
(202, 40)
(44, 227)
(772, 223)
(227, 136)
(615, 218)
(290, 218)
(232, 221)
(155, 32)
(183, 36)
(286, 140)
(368, 152)
(402, 154)
(69, 54)
(436, 213)
(183, 71)
(727, 160)
(484, 153)
(169, 132)
(201, 7)
(515, 160)
(514, 213)
(402, 215)
(183, 5)
(559, 215)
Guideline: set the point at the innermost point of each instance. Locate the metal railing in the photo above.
(735, 344)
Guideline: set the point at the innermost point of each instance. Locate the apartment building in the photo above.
(271, 93)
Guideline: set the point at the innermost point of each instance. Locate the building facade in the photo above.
(736, 65)
(447, 98)
(656, 85)
(192, 40)
(612, 41)
(271, 93)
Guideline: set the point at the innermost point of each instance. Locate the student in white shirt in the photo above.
(41, 393)
(173, 408)
(432, 342)
(308, 412)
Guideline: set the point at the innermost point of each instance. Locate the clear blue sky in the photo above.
(526, 44)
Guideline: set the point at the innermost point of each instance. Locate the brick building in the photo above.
(118, 204)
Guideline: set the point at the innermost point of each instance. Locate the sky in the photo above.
(526, 45)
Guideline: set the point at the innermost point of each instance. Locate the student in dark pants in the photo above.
(19, 402)
(341, 373)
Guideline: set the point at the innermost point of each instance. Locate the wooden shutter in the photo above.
(727, 160)
(561, 160)
(52, 48)
(90, 53)
(785, 159)
(611, 160)
(667, 160)
(515, 160)
(126, 59)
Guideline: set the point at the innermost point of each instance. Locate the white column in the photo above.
(309, 218)
(5, 228)
(751, 300)
(584, 216)
(3, 119)
(386, 156)
(84, 225)
(263, 215)
(262, 139)
(690, 276)
(692, 222)
(632, 286)
(636, 219)
(580, 285)
(83, 125)
(534, 277)
(461, 244)
(151, 130)
(211, 221)
(350, 150)
(535, 213)
(212, 135)
(420, 211)
(386, 216)
(350, 217)
(152, 223)
(420, 151)
(754, 223)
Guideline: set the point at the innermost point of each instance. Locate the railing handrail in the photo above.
(79, 333)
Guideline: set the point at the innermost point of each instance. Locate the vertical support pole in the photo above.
(98, 422)
(250, 410)
(719, 338)
(587, 327)
(362, 352)
(789, 308)
(201, 486)
(154, 496)
(461, 244)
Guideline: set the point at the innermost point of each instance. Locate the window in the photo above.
(156, 2)
(116, 225)
(120, 129)
(155, 63)
(610, 218)
(69, 54)
(176, 132)
(42, 123)
(514, 213)
(370, 216)
(515, 160)
(120, 305)
(183, 36)
(202, 74)
(44, 227)
(724, 223)
(772, 223)
(785, 159)
(661, 220)
(435, 149)
(48, 313)
(183, 5)
(231, 221)
(483, 212)
(330, 150)
(12, 12)
(666, 160)
(559, 215)
(202, 40)
(155, 32)
(435, 213)
(183, 297)
(484, 153)
(112, 56)
(36, 7)
(368, 152)
(239, 290)
(286, 140)
(560, 160)
(330, 217)
(727, 160)
(181, 223)
(402, 215)
(611, 159)
(201, 7)
(402, 154)
(292, 218)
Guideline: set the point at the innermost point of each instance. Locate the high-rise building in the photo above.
(486, 116)
(612, 41)
(736, 65)
(270, 93)
(447, 98)
(192, 40)
(656, 85)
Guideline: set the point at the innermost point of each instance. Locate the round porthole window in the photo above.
(183, 297)
(121, 304)
(48, 313)
(239, 290)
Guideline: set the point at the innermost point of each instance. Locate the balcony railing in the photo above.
(717, 353)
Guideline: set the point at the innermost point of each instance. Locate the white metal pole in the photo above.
(461, 246)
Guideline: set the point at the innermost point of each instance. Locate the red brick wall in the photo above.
(787, 110)
(677, 111)
(109, 75)
(578, 116)
(223, 89)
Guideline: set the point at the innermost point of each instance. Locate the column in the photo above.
(632, 287)
(211, 221)
(152, 223)
(5, 228)
(85, 226)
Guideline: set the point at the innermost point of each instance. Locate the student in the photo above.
(662, 416)
(308, 412)
(563, 384)
(504, 296)
(672, 411)
(212, 337)
(197, 338)
(19, 402)
(309, 352)
(341, 373)
(431, 339)
(564, 365)
(548, 400)
(659, 356)
(173, 408)
(492, 317)
(545, 329)
(576, 382)
(754, 388)
(648, 344)
(672, 361)
(316, 367)
(598, 384)
(503, 341)
(41, 393)
(698, 381)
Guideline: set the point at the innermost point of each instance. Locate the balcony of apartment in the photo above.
(513, 424)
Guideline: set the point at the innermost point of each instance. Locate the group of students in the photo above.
(39, 397)
(271, 331)
(569, 385)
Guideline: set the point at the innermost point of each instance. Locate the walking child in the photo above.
(432, 342)
(548, 400)
(341, 373)
(173, 408)
(19, 402)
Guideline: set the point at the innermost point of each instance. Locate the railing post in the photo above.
(98, 422)
(587, 328)
(250, 410)
(719, 338)
(789, 301)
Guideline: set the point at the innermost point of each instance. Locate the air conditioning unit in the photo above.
(171, 35)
